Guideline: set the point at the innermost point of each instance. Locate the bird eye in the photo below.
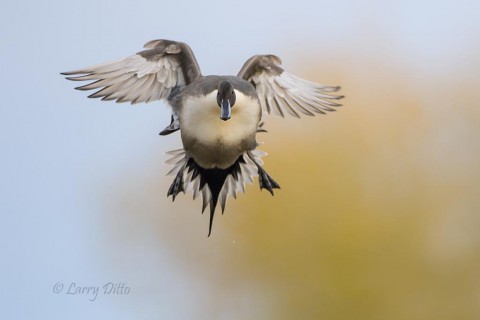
(232, 92)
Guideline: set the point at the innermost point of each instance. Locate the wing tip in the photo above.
(74, 72)
(69, 73)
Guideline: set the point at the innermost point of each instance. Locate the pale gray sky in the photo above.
(66, 159)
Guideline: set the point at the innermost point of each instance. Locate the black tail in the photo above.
(213, 178)
(220, 182)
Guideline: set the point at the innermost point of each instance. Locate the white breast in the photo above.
(212, 141)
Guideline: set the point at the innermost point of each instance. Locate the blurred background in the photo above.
(378, 215)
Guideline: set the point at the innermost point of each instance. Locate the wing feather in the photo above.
(280, 92)
(149, 75)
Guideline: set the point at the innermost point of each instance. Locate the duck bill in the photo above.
(225, 110)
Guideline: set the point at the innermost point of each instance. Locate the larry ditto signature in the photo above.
(92, 292)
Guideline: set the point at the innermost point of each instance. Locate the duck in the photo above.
(218, 116)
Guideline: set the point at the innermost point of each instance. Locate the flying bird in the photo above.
(218, 116)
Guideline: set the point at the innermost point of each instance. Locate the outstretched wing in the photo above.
(153, 74)
(280, 91)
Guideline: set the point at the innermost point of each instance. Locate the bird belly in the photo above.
(215, 143)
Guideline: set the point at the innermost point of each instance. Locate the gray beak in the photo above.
(225, 110)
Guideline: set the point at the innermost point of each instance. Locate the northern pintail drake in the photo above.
(218, 116)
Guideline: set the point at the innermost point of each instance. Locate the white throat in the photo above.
(203, 132)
